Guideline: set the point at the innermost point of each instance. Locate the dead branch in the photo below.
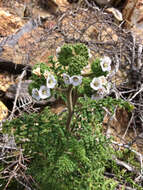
(17, 94)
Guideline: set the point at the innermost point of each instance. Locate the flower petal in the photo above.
(96, 83)
(76, 80)
(44, 92)
(103, 79)
(105, 64)
(66, 78)
(35, 94)
(46, 74)
(37, 71)
(51, 81)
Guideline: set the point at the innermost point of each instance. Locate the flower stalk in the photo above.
(70, 106)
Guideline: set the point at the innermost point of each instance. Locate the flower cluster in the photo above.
(75, 80)
(44, 90)
(42, 93)
(73, 66)
(100, 84)
(101, 87)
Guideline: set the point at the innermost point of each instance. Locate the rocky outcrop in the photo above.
(9, 23)
(133, 14)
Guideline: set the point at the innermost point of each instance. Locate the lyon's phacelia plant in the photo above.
(69, 148)
(72, 73)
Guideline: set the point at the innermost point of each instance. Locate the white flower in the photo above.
(35, 94)
(58, 51)
(103, 79)
(96, 83)
(76, 80)
(89, 53)
(106, 86)
(106, 64)
(104, 90)
(86, 69)
(37, 71)
(67, 79)
(46, 74)
(100, 93)
(51, 81)
(44, 92)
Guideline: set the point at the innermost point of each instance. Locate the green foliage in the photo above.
(75, 65)
(69, 51)
(96, 68)
(74, 57)
(61, 159)
(65, 55)
(85, 88)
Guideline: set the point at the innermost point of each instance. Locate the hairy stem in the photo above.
(70, 107)
(75, 97)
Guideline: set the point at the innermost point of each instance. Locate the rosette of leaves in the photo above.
(65, 54)
(76, 64)
(75, 56)
(81, 49)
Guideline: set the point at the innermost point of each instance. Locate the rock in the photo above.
(133, 14)
(94, 33)
(10, 55)
(15, 69)
(11, 91)
(22, 44)
(5, 81)
(9, 23)
(14, 47)
(3, 111)
(28, 11)
(116, 13)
